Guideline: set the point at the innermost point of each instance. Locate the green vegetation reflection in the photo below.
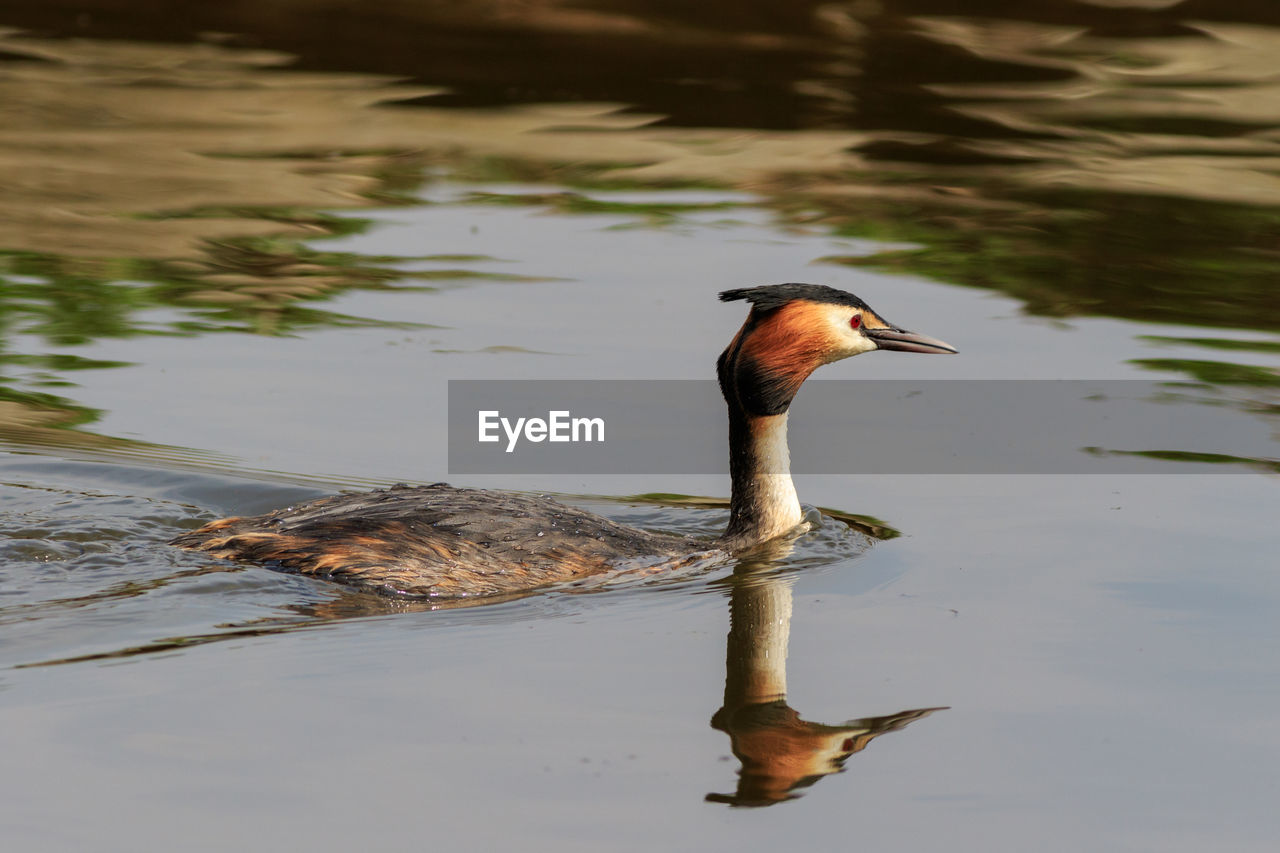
(1128, 175)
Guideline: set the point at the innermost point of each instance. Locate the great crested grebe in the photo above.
(443, 542)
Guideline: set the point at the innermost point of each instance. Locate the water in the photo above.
(237, 272)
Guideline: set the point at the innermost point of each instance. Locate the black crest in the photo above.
(771, 296)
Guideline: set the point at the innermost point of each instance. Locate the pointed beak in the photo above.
(904, 341)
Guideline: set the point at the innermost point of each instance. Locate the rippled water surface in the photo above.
(244, 247)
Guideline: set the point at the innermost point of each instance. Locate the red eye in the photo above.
(855, 321)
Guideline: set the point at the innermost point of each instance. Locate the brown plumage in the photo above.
(444, 542)
(439, 541)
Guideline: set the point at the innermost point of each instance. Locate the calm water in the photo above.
(242, 253)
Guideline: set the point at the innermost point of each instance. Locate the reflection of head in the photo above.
(781, 753)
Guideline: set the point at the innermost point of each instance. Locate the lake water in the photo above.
(243, 253)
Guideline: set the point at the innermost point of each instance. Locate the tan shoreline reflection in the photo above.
(780, 752)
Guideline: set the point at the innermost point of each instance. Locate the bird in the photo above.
(447, 543)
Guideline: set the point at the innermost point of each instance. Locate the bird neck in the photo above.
(764, 503)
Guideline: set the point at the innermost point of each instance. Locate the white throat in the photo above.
(778, 507)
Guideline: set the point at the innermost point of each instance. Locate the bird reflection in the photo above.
(780, 752)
